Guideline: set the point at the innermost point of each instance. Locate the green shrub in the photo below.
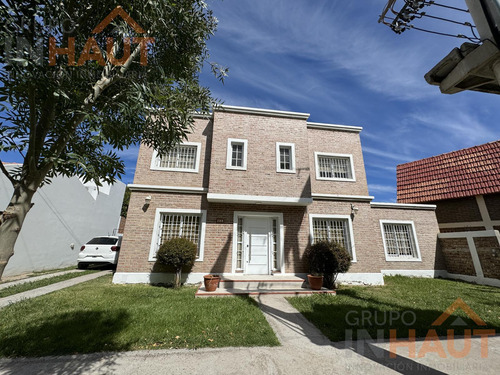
(328, 259)
(178, 253)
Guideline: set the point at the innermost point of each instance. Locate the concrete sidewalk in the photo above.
(304, 350)
(35, 278)
(49, 288)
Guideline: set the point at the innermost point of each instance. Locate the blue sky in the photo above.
(331, 58)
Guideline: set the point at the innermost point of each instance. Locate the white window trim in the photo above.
(345, 217)
(280, 232)
(316, 161)
(292, 157)
(417, 248)
(195, 170)
(230, 141)
(159, 212)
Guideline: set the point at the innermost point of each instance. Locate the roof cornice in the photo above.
(169, 189)
(403, 206)
(342, 128)
(340, 197)
(261, 112)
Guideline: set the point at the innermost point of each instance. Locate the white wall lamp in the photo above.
(147, 200)
(354, 209)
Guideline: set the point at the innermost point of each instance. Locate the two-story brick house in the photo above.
(253, 188)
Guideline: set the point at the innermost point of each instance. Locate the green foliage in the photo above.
(125, 203)
(178, 253)
(328, 259)
(98, 316)
(69, 120)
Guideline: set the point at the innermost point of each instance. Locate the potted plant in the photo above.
(326, 260)
(211, 282)
(178, 253)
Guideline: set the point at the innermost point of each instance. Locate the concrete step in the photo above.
(262, 284)
(231, 292)
(255, 286)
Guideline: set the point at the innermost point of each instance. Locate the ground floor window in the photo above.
(400, 241)
(333, 228)
(172, 224)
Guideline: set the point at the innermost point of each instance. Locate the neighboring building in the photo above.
(465, 187)
(66, 214)
(254, 187)
(463, 184)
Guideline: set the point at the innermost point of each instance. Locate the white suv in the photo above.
(100, 250)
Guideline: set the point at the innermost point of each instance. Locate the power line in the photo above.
(412, 10)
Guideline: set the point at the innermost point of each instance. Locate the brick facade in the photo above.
(458, 210)
(493, 203)
(458, 257)
(262, 131)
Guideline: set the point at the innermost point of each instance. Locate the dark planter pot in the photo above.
(211, 282)
(315, 282)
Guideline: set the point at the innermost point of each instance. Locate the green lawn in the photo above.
(99, 316)
(402, 304)
(40, 283)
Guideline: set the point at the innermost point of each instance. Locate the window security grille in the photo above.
(178, 225)
(334, 167)
(179, 157)
(399, 241)
(336, 230)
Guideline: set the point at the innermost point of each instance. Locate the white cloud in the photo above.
(381, 188)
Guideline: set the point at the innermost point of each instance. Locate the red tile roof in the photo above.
(463, 173)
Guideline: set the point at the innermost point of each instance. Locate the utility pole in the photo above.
(475, 65)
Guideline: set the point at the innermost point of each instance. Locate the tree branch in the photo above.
(7, 174)
(98, 88)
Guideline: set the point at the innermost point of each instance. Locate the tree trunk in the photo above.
(178, 274)
(11, 222)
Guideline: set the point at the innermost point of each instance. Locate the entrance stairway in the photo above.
(252, 285)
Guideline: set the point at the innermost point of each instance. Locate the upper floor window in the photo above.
(184, 157)
(400, 241)
(334, 167)
(285, 157)
(236, 154)
(335, 228)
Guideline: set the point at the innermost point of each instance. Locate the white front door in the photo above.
(257, 231)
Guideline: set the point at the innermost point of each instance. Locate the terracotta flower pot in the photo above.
(315, 282)
(211, 282)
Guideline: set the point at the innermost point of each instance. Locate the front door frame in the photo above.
(280, 240)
